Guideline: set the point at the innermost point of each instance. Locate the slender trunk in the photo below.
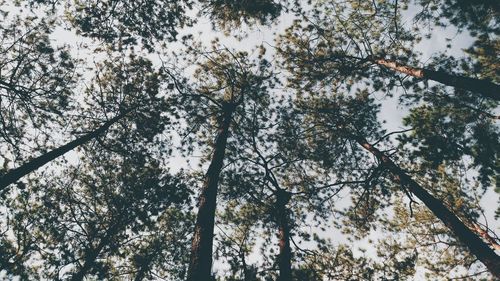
(200, 264)
(464, 234)
(285, 252)
(15, 174)
(246, 272)
(483, 87)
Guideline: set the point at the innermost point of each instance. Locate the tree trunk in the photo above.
(483, 87)
(15, 174)
(285, 252)
(464, 234)
(246, 272)
(200, 264)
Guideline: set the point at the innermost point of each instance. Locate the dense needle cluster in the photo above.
(133, 148)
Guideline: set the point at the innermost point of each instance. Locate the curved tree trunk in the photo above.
(285, 252)
(483, 87)
(15, 174)
(464, 234)
(200, 264)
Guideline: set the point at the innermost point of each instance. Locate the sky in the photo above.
(391, 111)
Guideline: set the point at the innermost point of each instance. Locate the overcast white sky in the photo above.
(391, 111)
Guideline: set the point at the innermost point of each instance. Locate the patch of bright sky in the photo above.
(391, 111)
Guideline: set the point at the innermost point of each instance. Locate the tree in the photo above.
(36, 86)
(226, 81)
(297, 176)
(349, 43)
(229, 15)
(13, 175)
(316, 40)
(484, 87)
(120, 23)
(137, 95)
(237, 226)
(478, 17)
(439, 253)
(286, 183)
(474, 242)
(92, 220)
(468, 237)
(91, 208)
(153, 24)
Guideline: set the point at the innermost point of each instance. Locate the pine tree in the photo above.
(227, 81)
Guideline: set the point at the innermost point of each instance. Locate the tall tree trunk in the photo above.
(200, 264)
(285, 252)
(15, 174)
(246, 272)
(484, 87)
(464, 234)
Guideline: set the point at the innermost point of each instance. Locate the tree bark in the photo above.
(464, 234)
(483, 87)
(246, 272)
(200, 264)
(285, 252)
(15, 174)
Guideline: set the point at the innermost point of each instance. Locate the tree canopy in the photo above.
(263, 140)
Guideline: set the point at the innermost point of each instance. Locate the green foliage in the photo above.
(440, 254)
(90, 222)
(122, 22)
(478, 16)
(333, 49)
(230, 15)
(223, 78)
(114, 210)
(485, 54)
(447, 130)
(36, 84)
(133, 85)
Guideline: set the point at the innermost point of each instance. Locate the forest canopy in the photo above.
(261, 140)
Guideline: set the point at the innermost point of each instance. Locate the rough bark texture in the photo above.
(483, 87)
(15, 174)
(464, 234)
(285, 252)
(486, 236)
(200, 265)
